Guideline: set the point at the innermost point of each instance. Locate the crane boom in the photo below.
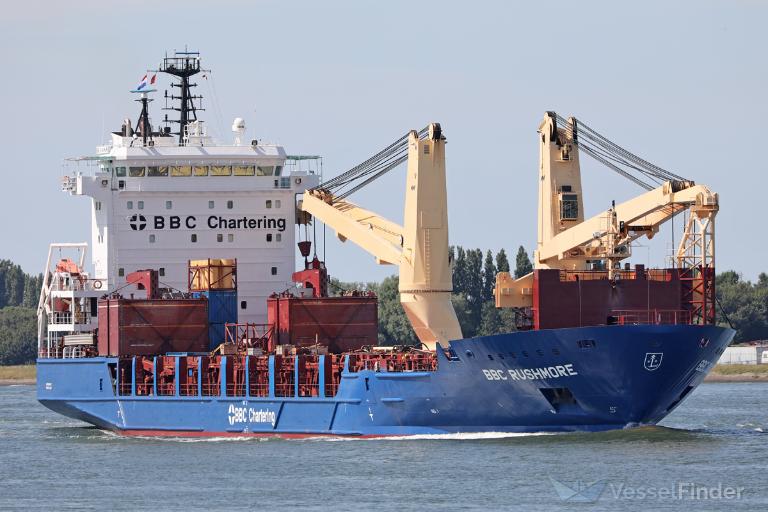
(567, 241)
(419, 247)
(378, 236)
(640, 216)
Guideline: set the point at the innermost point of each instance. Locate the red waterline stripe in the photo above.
(188, 433)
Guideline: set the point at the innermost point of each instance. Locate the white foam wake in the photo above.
(454, 436)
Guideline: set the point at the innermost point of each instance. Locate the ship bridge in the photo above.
(161, 197)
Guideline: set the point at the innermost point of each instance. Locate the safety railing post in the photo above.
(247, 377)
(223, 375)
(177, 380)
(154, 376)
(200, 376)
(271, 376)
(296, 376)
(321, 375)
(133, 376)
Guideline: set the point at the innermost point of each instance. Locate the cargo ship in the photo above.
(193, 321)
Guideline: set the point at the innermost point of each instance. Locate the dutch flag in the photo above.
(144, 82)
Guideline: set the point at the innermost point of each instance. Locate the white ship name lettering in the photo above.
(250, 415)
(547, 372)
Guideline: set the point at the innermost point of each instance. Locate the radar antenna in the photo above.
(182, 65)
(143, 125)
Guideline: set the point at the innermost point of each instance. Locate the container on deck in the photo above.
(339, 323)
(564, 299)
(129, 327)
(222, 309)
(216, 280)
(212, 274)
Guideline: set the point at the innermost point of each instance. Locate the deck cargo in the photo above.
(340, 323)
(129, 327)
(222, 310)
(575, 298)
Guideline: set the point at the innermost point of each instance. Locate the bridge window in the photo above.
(221, 170)
(278, 170)
(266, 170)
(181, 170)
(136, 172)
(157, 171)
(569, 207)
(244, 170)
(200, 170)
(120, 172)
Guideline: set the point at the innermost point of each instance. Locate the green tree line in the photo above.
(18, 288)
(19, 293)
(743, 305)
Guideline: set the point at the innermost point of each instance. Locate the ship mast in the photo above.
(143, 125)
(182, 65)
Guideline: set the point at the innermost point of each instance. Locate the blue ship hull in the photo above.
(575, 379)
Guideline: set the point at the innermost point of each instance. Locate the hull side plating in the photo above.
(589, 378)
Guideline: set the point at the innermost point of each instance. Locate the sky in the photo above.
(682, 84)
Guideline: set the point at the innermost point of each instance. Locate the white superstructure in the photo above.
(159, 201)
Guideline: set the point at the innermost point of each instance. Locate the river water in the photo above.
(710, 454)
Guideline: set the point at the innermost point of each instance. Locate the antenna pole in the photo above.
(183, 65)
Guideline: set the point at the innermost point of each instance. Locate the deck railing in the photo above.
(653, 274)
(652, 317)
(301, 376)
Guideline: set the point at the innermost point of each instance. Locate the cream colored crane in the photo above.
(420, 246)
(567, 241)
